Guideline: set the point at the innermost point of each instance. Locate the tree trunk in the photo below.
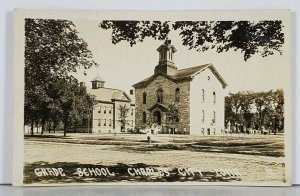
(37, 128)
(31, 128)
(65, 129)
(43, 127)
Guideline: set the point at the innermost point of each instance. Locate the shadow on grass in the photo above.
(121, 174)
(47, 136)
(272, 150)
(273, 147)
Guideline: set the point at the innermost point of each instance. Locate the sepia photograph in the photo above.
(140, 97)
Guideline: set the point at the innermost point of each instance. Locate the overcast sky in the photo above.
(121, 66)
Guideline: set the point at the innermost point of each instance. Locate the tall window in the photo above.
(202, 95)
(159, 95)
(177, 94)
(144, 98)
(109, 123)
(214, 97)
(144, 117)
(132, 112)
(214, 117)
(202, 116)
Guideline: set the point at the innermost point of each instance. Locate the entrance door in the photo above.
(157, 117)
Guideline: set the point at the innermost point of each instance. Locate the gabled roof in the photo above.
(97, 79)
(166, 46)
(160, 106)
(109, 94)
(183, 74)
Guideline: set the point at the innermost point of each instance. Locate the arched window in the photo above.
(177, 94)
(159, 95)
(202, 116)
(144, 117)
(214, 97)
(202, 95)
(214, 117)
(144, 98)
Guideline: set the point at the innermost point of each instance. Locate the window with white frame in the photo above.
(203, 95)
(214, 97)
(202, 116)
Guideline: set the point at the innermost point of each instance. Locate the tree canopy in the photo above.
(256, 109)
(247, 37)
(53, 50)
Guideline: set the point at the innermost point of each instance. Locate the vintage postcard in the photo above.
(152, 97)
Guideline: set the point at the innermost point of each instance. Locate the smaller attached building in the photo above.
(106, 113)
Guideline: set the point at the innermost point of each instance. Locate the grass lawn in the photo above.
(254, 156)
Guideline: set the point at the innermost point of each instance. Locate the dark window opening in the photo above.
(177, 94)
(159, 95)
(144, 98)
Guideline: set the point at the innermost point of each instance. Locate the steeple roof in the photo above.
(166, 46)
(98, 79)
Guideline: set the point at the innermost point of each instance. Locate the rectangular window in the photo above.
(202, 117)
(99, 122)
(104, 124)
(144, 98)
(99, 111)
(104, 111)
(202, 95)
(214, 97)
(109, 122)
(214, 117)
(131, 112)
(177, 94)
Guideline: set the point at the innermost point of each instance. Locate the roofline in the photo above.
(209, 65)
(137, 85)
(120, 100)
(97, 81)
(215, 72)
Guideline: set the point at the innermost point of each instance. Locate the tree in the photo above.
(256, 108)
(173, 116)
(248, 37)
(123, 114)
(53, 50)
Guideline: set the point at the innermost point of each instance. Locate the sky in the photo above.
(121, 65)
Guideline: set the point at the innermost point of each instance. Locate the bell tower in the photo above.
(166, 59)
(97, 82)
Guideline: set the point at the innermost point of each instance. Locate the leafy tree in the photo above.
(248, 37)
(53, 50)
(256, 108)
(173, 116)
(123, 114)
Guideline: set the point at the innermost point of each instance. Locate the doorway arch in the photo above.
(157, 117)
